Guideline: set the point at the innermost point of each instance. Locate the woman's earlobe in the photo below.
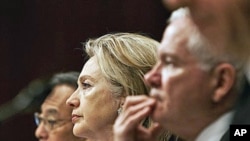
(226, 74)
(119, 111)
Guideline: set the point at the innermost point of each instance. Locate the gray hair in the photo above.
(208, 55)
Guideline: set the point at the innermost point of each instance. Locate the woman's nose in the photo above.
(73, 100)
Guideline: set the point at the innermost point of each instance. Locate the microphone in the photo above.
(26, 101)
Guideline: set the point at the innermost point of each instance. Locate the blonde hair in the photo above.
(124, 58)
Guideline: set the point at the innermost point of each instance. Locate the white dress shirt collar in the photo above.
(217, 129)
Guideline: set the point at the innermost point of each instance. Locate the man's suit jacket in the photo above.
(242, 113)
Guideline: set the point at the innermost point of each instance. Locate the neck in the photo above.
(197, 125)
(105, 138)
(106, 135)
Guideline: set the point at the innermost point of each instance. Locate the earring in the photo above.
(119, 111)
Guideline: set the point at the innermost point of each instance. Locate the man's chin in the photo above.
(156, 116)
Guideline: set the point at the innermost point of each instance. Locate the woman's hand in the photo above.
(128, 125)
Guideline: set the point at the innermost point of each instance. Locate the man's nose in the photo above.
(41, 132)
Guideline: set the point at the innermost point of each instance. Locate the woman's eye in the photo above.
(86, 85)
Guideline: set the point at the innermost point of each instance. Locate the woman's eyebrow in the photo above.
(84, 77)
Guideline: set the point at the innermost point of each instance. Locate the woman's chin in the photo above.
(77, 130)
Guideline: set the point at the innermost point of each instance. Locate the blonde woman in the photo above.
(114, 70)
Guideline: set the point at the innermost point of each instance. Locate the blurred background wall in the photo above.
(41, 37)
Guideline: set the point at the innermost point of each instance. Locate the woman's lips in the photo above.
(75, 118)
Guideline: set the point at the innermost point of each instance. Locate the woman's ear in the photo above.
(121, 103)
(225, 75)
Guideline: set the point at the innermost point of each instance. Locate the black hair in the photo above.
(69, 78)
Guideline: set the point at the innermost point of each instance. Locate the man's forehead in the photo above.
(179, 25)
(175, 41)
(48, 109)
(175, 33)
(53, 105)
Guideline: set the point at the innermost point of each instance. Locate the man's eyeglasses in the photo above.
(49, 124)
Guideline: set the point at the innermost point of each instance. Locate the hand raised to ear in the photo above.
(128, 125)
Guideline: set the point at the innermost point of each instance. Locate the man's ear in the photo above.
(225, 75)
